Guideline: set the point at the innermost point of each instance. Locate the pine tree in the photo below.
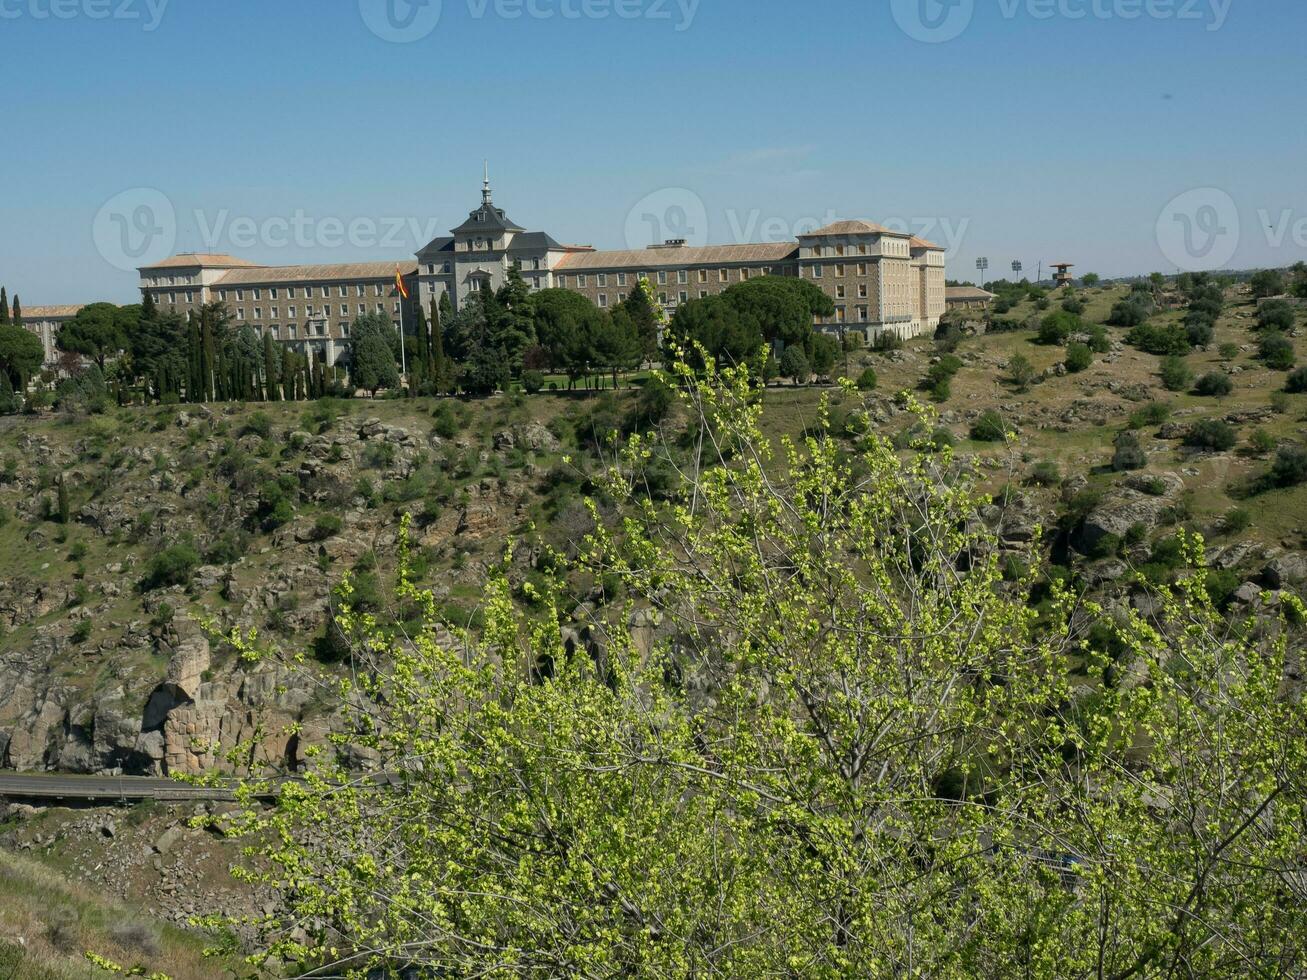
(4, 306)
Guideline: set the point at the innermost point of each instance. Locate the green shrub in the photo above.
(1262, 441)
(258, 424)
(1296, 382)
(942, 438)
(1057, 327)
(275, 508)
(1211, 434)
(1154, 413)
(1128, 454)
(170, 567)
(1099, 342)
(941, 391)
(1236, 521)
(82, 631)
(1020, 372)
(1290, 467)
(1045, 474)
(989, 427)
(1276, 351)
(1108, 546)
(1228, 352)
(1214, 384)
(1161, 339)
(867, 380)
(1175, 372)
(326, 526)
(446, 422)
(532, 382)
(1078, 358)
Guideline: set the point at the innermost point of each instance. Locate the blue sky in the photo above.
(1045, 130)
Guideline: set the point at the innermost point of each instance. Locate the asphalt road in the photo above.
(60, 786)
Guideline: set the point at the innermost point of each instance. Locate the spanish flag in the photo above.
(399, 283)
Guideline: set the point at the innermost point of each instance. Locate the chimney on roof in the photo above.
(671, 243)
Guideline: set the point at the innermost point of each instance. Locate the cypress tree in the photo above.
(64, 507)
(4, 306)
(271, 369)
(148, 310)
(18, 312)
(439, 369)
(195, 352)
(208, 360)
(8, 400)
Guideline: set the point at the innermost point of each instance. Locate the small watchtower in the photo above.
(1062, 274)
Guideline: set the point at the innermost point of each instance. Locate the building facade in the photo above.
(46, 322)
(878, 279)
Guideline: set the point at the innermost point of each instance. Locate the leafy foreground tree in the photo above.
(848, 749)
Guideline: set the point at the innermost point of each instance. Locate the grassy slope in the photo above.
(48, 924)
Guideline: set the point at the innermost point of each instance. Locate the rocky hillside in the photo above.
(121, 534)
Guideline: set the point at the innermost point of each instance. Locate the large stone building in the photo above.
(46, 322)
(878, 279)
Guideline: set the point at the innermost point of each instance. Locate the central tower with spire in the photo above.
(485, 188)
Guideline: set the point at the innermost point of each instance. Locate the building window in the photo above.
(326, 292)
(363, 309)
(862, 314)
(862, 291)
(447, 268)
(535, 264)
(816, 272)
(240, 295)
(603, 279)
(839, 314)
(344, 309)
(274, 292)
(621, 279)
(344, 291)
(724, 275)
(862, 249)
(431, 268)
(258, 293)
(703, 275)
(344, 329)
(839, 270)
(744, 274)
(292, 331)
(703, 294)
(359, 290)
(562, 282)
(240, 313)
(580, 280)
(662, 298)
(862, 268)
(662, 278)
(684, 296)
(290, 312)
(190, 296)
(839, 292)
(273, 312)
(603, 300)
(839, 249)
